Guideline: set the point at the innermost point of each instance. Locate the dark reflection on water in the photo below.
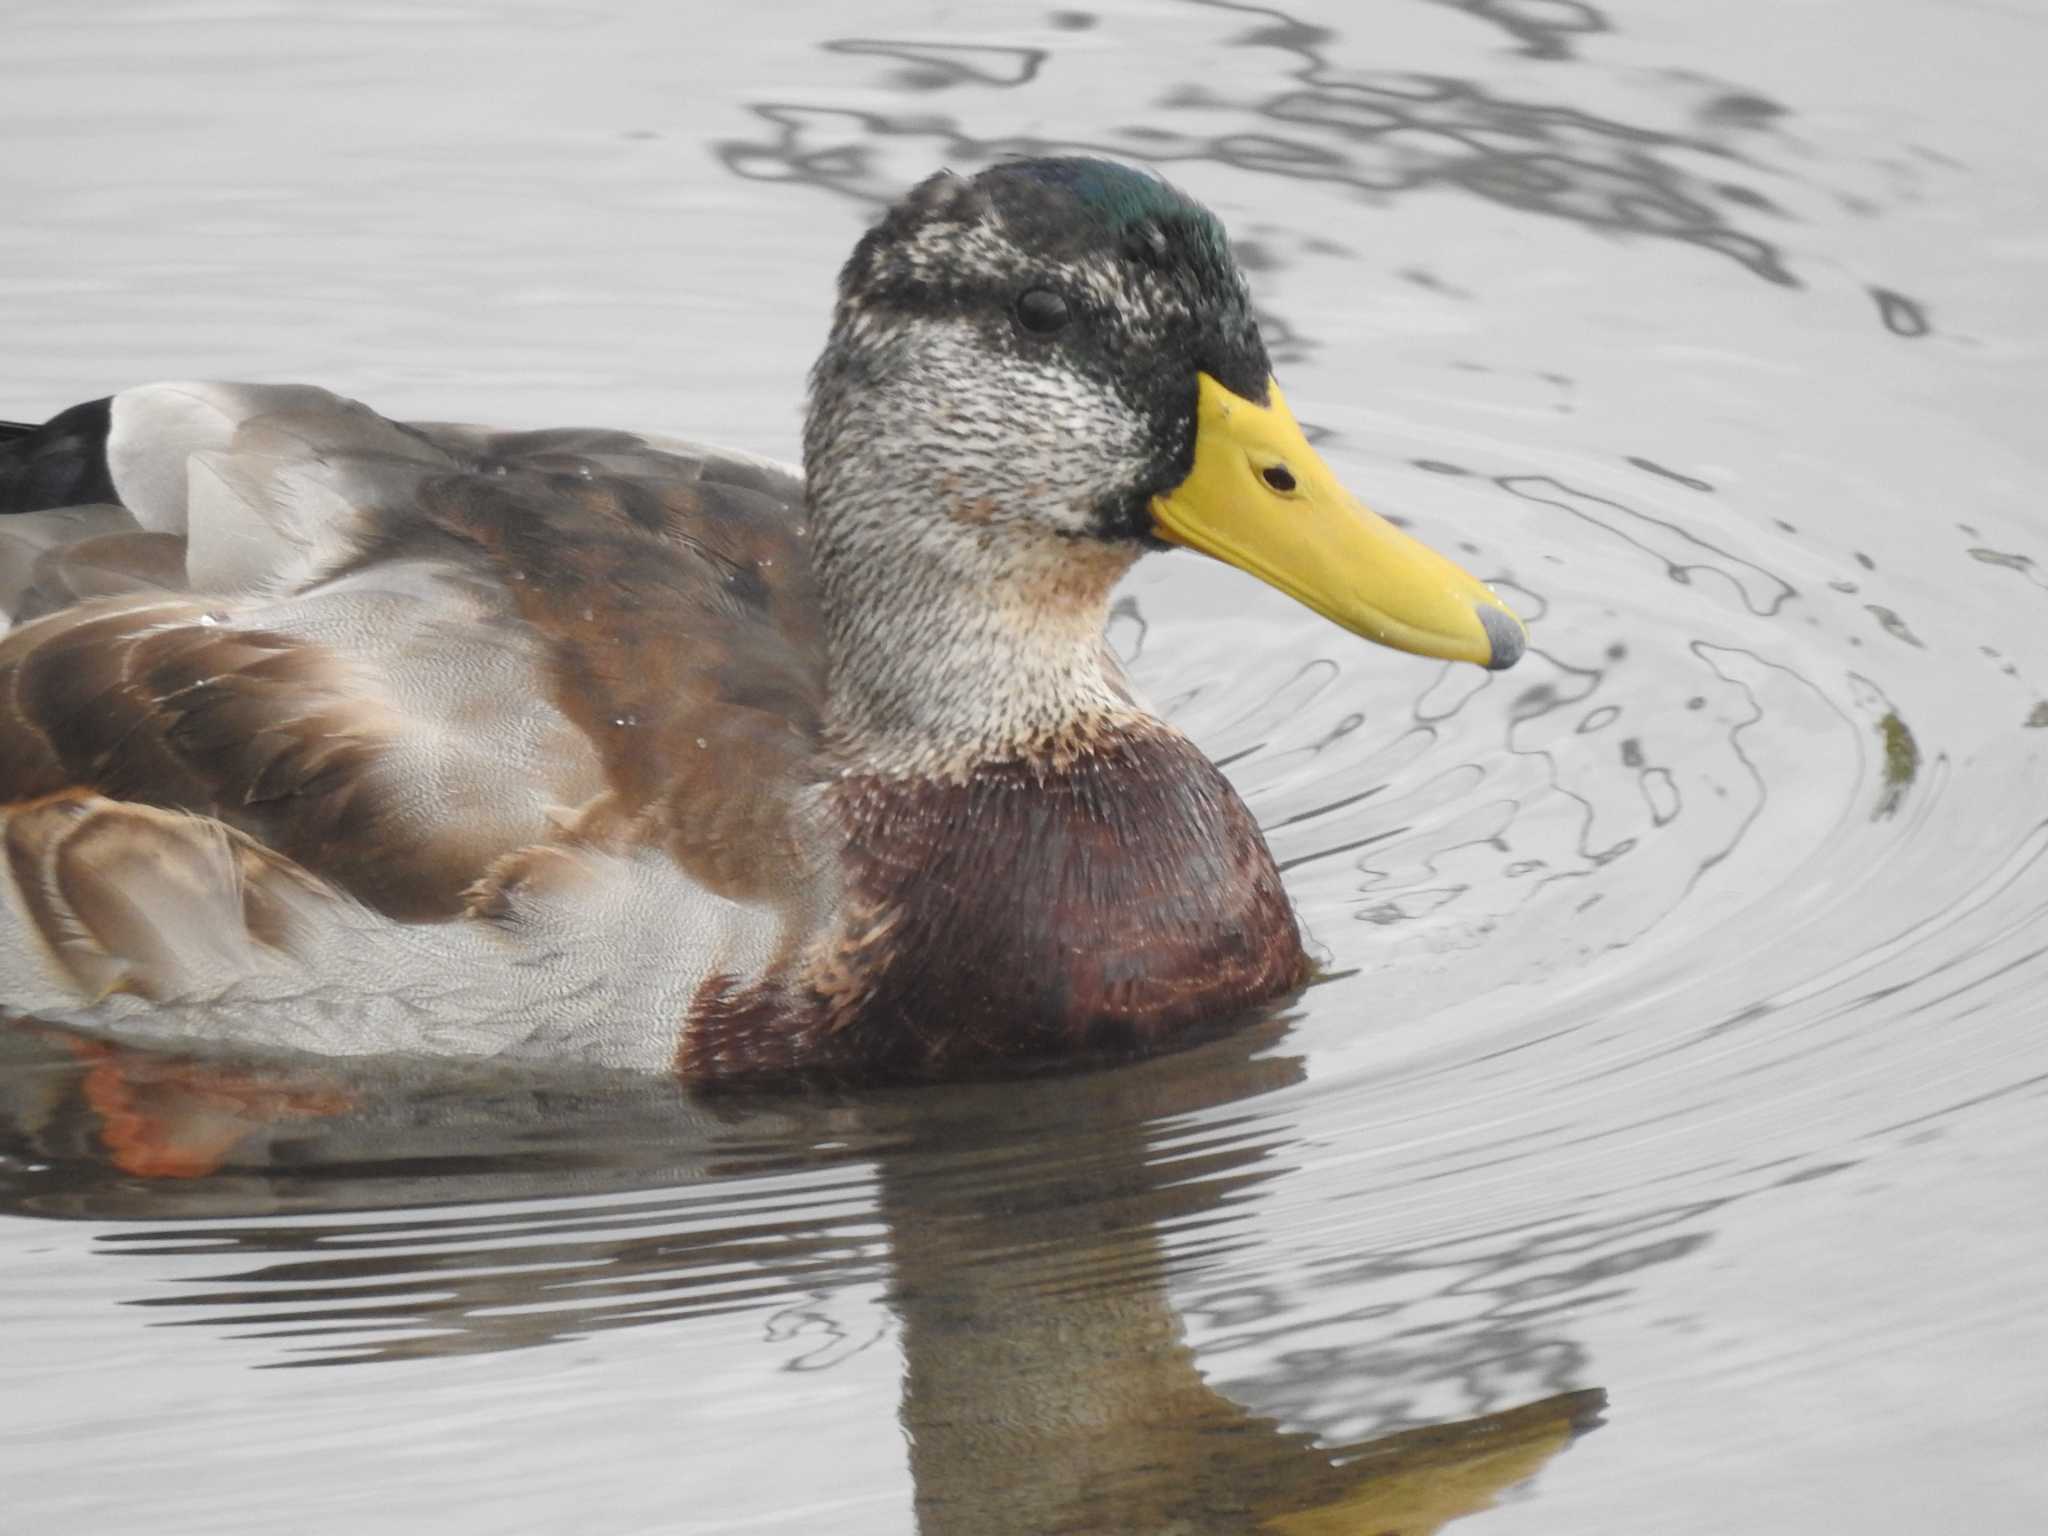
(1483, 1313)
(1902, 316)
(1682, 553)
(1384, 133)
(1020, 1230)
(1689, 481)
(1545, 29)
(940, 66)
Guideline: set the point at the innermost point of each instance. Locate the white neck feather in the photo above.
(951, 644)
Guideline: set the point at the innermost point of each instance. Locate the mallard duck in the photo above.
(326, 732)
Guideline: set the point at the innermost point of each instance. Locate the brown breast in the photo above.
(1098, 902)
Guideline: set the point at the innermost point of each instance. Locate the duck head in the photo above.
(1041, 372)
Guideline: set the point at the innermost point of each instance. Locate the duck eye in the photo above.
(1041, 311)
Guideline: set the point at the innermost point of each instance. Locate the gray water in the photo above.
(1681, 1036)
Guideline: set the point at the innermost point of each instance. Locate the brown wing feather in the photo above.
(674, 596)
(122, 564)
(665, 598)
(154, 705)
(128, 898)
(53, 558)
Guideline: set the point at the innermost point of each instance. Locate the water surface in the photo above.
(1679, 1036)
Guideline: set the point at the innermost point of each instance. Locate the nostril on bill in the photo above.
(1278, 476)
(1505, 635)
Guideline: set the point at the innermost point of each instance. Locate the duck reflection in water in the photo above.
(1047, 1385)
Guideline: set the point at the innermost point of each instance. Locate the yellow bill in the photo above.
(1260, 498)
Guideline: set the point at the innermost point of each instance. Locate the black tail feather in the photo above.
(62, 463)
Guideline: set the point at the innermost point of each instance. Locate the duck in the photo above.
(321, 732)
